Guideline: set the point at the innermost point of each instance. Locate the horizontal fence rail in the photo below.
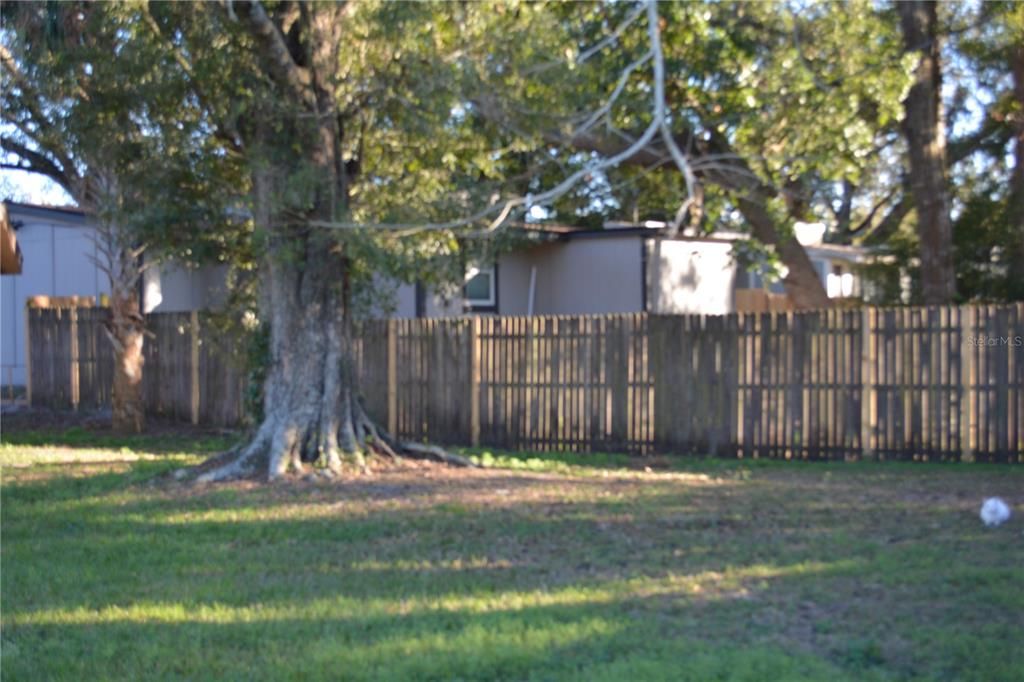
(936, 383)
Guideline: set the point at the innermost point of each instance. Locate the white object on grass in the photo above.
(994, 512)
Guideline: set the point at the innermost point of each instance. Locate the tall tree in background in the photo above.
(93, 102)
(64, 119)
(365, 139)
(742, 81)
(925, 130)
(340, 114)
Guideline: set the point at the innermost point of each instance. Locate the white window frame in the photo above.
(492, 298)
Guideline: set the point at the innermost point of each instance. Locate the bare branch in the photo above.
(594, 49)
(619, 87)
(873, 212)
(889, 224)
(614, 35)
(659, 103)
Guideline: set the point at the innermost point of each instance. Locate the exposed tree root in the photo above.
(280, 448)
(240, 460)
(314, 421)
(422, 451)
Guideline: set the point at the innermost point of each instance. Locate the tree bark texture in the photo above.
(924, 130)
(127, 335)
(1017, 180)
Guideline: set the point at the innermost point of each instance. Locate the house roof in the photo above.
(659, 231)
(66, 214)
(568, 232)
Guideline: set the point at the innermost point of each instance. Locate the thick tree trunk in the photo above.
(127, 335)
(1017, 180)
(924, 129)
(802, 283)
(313, 414)
(312, 411)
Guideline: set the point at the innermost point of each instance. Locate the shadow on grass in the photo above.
(638, 638)
(107, 576)
(160, 443)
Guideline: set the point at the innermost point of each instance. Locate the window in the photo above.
(839, 283)
(481, 288)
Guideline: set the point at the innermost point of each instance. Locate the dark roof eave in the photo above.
(64, 214)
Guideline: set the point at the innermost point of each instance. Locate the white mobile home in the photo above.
(58, 258)
(622, 269)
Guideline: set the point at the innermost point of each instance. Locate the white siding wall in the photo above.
(171, 289)
(56, 262)
(690, 277)
(405, 301)
(582, 276)
(12, 337)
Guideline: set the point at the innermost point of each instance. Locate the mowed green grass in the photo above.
(540, 568)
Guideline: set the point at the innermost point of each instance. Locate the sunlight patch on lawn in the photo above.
(730, 583)
(474, 649)
(21, 456)
(250, 514)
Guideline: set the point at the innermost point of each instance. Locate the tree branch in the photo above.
(283, 68)
(991, 129)
(223, 130)
(891, 222)
(37, 162)
(871, 214)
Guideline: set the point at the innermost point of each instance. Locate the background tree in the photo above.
(352, 143)
(94, 103)
(925, 129)
(978, 43)
(742, 82)
(988, 184)
(61, 112)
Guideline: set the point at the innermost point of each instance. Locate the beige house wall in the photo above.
(595, 275)
(610, 273)
(404, 300)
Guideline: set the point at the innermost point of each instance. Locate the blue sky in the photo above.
(32, 188)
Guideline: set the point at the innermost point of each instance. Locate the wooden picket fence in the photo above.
(936, 383)
(189, 372)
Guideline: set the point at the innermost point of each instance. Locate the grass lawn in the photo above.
(540, 568)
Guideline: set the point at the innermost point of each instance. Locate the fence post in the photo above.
(28, 354)
(474, 382)
(393, 378)
(194, 329)
(968, 379)
(868, 411)
(74, 378)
